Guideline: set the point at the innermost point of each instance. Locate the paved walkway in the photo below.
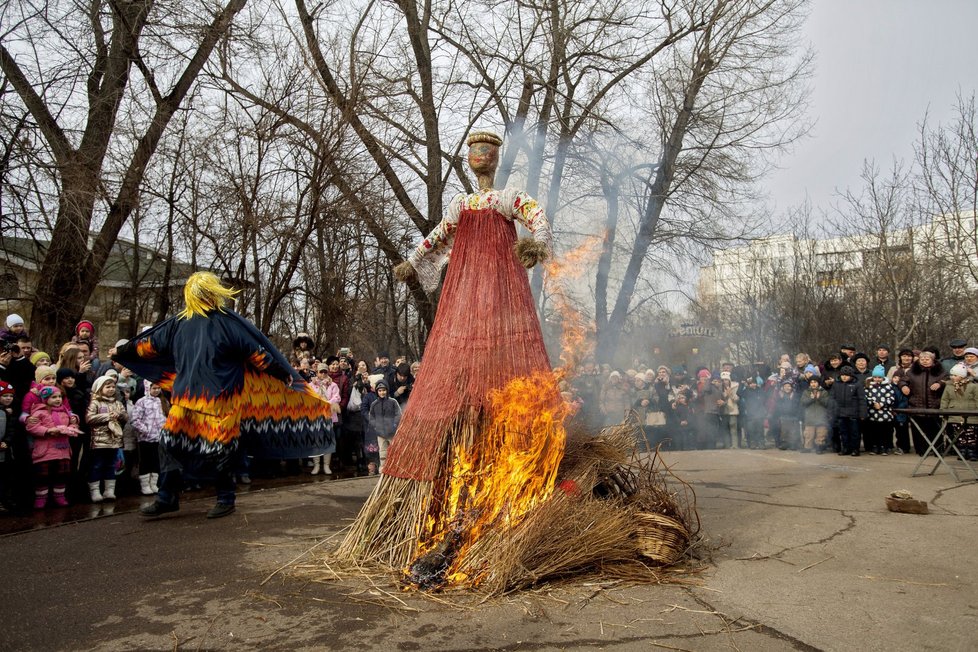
(803, 556)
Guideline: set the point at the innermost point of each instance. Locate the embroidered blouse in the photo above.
(433, 253)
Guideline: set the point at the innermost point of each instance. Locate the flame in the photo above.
(577, 333)
(506, 458)
(508, 468)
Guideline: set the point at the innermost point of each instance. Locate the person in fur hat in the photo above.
(303, 346)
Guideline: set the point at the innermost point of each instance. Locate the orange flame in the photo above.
(577, 334)
(506, 463)
(507, 470)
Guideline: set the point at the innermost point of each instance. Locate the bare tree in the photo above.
(71, 66)
(732, 95)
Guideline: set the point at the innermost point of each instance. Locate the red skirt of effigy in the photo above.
(486, 332)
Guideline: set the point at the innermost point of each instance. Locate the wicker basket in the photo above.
(661, 538)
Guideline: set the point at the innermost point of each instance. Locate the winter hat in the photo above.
(811, 369)
(43, 372)
(614, 374)
(879, 371)
(959, 371)
(384, 354)
(785, 365)
(374, 379)
(662, 367)
(63, 372)
(331, 359)
(382, 383)
(972, 350)
(113, 374)
(86, 324)
(48, 392)
(13, 319)
(37, 355)
(322, 366)
(703, 373)
(6, 388)
(121, 343)
(100, 382)
(847, 371)
(724, 375)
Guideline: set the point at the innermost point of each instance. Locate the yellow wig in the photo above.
(204, 293)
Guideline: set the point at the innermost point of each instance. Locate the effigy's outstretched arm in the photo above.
(429, 257)
(528, 212)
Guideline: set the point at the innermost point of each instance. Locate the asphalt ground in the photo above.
(800, 553)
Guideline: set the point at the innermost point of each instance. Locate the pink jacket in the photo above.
(330, 393)
(47, 447)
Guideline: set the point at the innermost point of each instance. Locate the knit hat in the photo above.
(972, 350)
(37, 355)
(43, 372)
(662, 367)
(724, 375)
(100, 382)
(47, 392)
(63, 372)
(879, 371)
(847, 371)
(86, 324)
(6, 388)
(13, 319)
(959, 370)
(811, 369)
(112, 373)
(331, 359)
(703, 373)
(785, 365)
(614, 374)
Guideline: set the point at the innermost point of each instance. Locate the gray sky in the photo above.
(881, 65)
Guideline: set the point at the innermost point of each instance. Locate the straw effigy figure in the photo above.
(468, 459)
(227, 383)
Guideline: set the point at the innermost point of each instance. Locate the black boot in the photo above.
(158, 509)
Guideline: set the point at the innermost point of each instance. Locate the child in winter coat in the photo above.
(382, 421)
(85, 332)
(51, 426)
(15, 328)
(880, 398)
(816, 405)
(106, 415)
(961, 393)
(7, 421)
(148, 416)
(850, 407)
(785, 419)
(329, 391)
(43, 377)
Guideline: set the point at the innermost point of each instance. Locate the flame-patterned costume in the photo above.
(226, 379)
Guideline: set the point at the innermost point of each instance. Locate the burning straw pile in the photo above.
(612, 513)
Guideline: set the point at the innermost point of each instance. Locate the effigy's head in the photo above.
(484, 152)
(204, 293)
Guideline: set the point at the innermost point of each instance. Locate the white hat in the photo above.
(100, 381)
(959, 370)
(13, 319)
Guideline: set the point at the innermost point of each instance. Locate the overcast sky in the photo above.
(881, 65)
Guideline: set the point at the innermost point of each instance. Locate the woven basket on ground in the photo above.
(661, 538)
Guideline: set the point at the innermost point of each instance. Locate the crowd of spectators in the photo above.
(844, 405)
(77, 428)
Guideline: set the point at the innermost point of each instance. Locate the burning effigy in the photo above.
(482, 485)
